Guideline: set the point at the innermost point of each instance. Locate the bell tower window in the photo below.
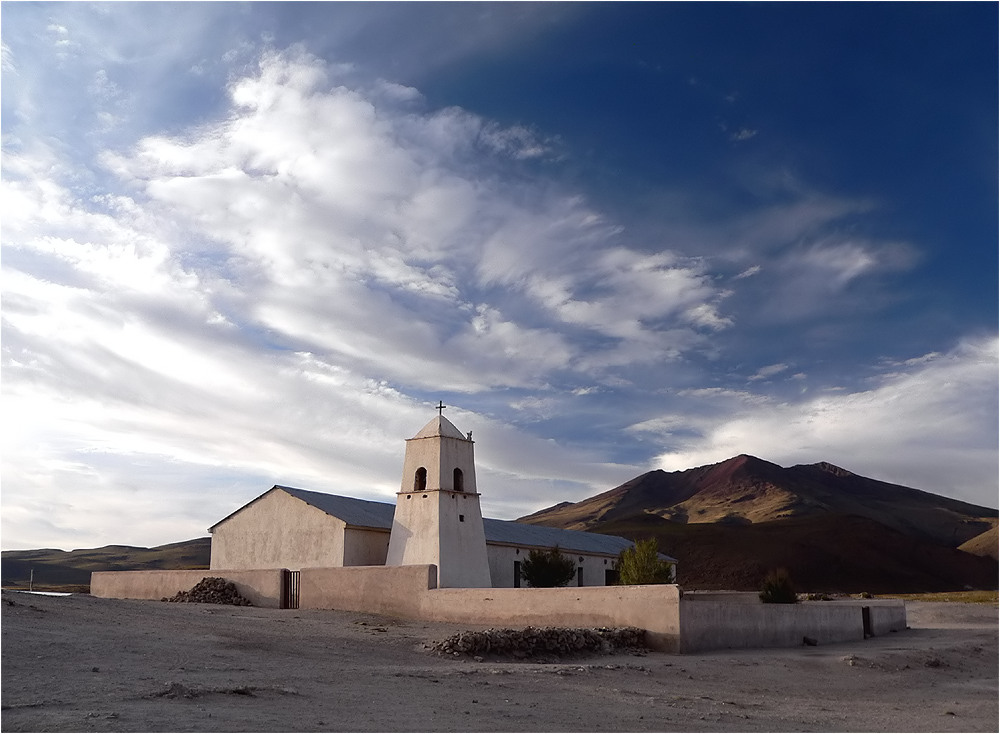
(459, 480)
(420, 480)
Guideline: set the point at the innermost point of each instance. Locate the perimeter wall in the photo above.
(673, 622)
(261, 588)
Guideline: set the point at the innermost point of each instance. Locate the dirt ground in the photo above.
(80, 664)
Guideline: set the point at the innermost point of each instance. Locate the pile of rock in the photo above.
(545, 641)
(212, 590)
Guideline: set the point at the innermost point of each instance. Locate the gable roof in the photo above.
(378, 516)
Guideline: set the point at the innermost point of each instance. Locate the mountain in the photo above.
(60, 568)
(746, 489)
(730, 523)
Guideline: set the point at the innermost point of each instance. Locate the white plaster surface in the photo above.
(278, 531)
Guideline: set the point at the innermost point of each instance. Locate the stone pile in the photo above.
(212, 590)
(546, 641)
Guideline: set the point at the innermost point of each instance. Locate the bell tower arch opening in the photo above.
(459, 480)
(420, 480)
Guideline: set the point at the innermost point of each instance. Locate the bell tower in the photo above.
(438, 518)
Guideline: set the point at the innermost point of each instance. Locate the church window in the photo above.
(459, 480)
(420, 480)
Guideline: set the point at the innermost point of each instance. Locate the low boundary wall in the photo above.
(673, 622)
(262, 588)
(717, 624)
(409, 591)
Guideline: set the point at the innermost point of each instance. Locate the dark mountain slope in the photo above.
(822, 553)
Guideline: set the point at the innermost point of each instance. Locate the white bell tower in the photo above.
(438, 519)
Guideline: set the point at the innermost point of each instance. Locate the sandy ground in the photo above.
(82, 664)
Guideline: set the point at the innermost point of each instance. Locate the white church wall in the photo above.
(278, 531)
(414, 530)
(363, 547)
(462, 542)
(503, 557)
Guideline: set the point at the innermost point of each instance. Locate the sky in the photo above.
(247, 244)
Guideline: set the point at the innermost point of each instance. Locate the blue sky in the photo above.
(247, 244)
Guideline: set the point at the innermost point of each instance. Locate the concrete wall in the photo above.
(278, 531)
(261, 587)
(408, 591)
(737, 623)
(502, 558)
(886, 617)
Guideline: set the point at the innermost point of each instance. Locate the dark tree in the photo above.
(777, 588)
(547, 568)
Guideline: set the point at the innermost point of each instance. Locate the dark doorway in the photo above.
(866, 621)
(611, 577)
(517, 574)
(289, 589)
(579, 575)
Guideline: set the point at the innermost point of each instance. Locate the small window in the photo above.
(461, 518)
(420, 480)
(459, 480)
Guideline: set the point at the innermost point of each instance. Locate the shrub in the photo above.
(777, 588)
(641, 565)
(545, 569)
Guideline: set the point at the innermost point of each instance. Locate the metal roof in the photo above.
(360, 513)
(378, 515)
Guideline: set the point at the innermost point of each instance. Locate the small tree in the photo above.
(641, 564)
(547, 568)
(777, 588)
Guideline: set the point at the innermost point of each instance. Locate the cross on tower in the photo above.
(440, 407)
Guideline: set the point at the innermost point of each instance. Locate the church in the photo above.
(436, 520)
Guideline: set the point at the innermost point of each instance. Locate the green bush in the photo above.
(641, 565)
(545, 569)
(777, 588)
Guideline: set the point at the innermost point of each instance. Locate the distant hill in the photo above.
(984, 544)
(730, 523)
(60, 568)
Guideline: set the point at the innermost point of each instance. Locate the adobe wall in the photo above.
(652, 608)
(261, 587)
(409, 591)
(392, 590)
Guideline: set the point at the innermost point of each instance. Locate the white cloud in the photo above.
(769, 371)
(254, 303)
(931, 425)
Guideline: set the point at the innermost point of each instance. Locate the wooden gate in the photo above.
(289, 589)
